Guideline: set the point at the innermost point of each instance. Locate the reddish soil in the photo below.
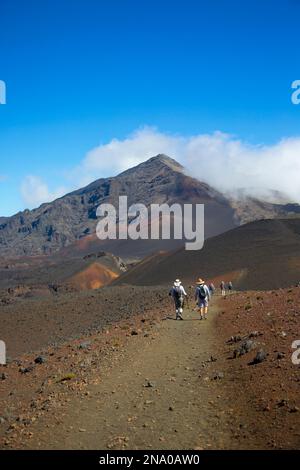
(269, 390)
(35, 323)
(93, 391)
(93, 277)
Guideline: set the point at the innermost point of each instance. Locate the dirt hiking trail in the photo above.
(151, 382)
(153, 396)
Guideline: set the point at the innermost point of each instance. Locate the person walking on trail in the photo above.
(202, 296)
(230, 287)
(211, 288)
(222, 287)
(178, 294)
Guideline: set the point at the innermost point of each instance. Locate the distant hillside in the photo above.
(71, 220)
(83, 272)
(69, 223)
(259, 255)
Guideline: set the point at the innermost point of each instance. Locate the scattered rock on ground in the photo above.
(149, 384)
(84, 345)
(245, 347)
(218, 376)
(26, 370)
(40, 360)
(261, 356)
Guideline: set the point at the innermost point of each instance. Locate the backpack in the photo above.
(177, 292)
(202, 292)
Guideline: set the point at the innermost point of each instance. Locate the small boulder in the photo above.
(26, 370)
(235, 339)
(84, 345)
(282, 403)
(261, 356)
(149, 384)
(245, 347)
(40, 360)
(254, 334)
(134, 333)
(218, 376)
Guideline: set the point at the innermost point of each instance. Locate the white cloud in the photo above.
(219, 159)
(35, 191)
(230, 164)
(119, 155)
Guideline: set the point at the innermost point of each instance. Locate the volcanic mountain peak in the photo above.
(147, 169)
(155, 164)
(72, 218)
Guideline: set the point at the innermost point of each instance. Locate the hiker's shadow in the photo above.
(184, 319)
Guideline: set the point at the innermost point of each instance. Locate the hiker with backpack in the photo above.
(222, 287)
(212, 288)
(202, 296)
(178, 294)
(230, 286)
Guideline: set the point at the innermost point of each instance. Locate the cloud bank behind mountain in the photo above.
(221, 160)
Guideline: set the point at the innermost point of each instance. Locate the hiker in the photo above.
(211, 288)
(222, 287)
(202, 296)
(178, 294)
(230, 287)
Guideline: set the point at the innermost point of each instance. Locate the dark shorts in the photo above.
(179, 302)
(203, 302)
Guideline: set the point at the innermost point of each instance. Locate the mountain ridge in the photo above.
(59, 224)
(260, 255)
(56, 225)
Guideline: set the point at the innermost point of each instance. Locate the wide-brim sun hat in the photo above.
(177, 282)
(200, 281)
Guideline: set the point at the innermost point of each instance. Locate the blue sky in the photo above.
(81, 73)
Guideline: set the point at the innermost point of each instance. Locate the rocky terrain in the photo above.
(145, 381)
(69, 223)
(72, 219)
(94, 352)
(43, 273)
(30, 323)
